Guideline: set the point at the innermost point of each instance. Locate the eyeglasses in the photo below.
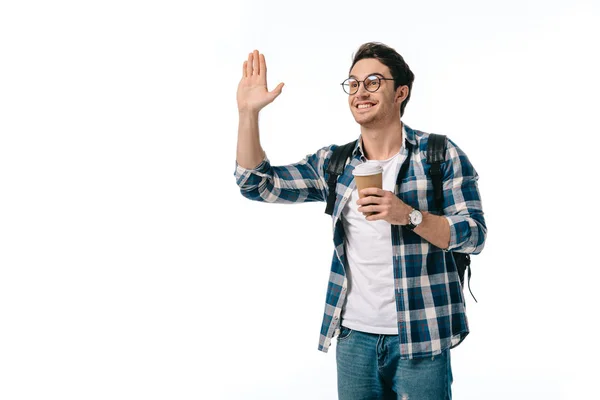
(371, 84)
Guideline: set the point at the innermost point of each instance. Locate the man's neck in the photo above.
(382, 143)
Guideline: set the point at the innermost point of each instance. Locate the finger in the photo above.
(249, 65)
(244, 73)
(276, 92)
(375, 199)
(369, 209)
(372, 191)
(263, 66)
(369, 200)
(373, 217)
(255, 63)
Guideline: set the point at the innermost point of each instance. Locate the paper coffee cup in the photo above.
(368, 175)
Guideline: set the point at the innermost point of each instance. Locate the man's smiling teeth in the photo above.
(364, 105)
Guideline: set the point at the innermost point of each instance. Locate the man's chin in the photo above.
(366, 122)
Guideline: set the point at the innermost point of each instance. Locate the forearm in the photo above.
(249, 151)
(434, 229)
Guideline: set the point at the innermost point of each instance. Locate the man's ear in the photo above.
(401, 94)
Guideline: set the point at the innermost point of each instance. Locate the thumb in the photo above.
(276, 92)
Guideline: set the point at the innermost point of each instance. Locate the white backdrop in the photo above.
(132, 268)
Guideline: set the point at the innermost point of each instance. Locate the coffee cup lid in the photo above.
(367, 168)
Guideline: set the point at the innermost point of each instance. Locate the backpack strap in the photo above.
(436, 154)
(335, 168)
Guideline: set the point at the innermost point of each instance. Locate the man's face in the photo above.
(379, 108)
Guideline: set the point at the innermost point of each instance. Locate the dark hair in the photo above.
(389, 57)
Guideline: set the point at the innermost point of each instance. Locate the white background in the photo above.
(132, 268)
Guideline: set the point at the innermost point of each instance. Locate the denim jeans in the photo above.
(369, 367)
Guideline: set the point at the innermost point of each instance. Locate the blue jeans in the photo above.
(369, 367)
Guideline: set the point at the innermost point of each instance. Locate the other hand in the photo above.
(385, 204)
(252, 93)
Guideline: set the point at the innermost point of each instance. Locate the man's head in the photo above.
(389, 83)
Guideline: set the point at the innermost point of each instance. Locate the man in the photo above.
(394, 298)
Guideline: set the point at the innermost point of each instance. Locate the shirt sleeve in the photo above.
(462, 203)
(301, 182)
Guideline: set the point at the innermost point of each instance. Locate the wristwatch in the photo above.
(414, 219)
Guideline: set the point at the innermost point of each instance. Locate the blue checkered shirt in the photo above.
(430, 306)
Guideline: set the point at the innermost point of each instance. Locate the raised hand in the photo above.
(252, 93)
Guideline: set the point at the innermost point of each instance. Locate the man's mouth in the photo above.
(364, 106)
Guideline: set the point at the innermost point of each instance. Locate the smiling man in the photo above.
(394, 298)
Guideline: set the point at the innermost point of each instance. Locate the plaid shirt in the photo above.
(429, 298)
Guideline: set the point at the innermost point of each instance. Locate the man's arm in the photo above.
(252, 96)
(249, 151)
(301, 182)
(462, 203)
(462, 228)
(257, 179)
(433, 228)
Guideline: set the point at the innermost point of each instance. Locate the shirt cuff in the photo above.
(243, 174)
(262, 167)
(460, 231)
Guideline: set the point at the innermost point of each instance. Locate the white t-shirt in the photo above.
(371, 302)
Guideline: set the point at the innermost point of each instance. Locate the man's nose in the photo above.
(362, 92)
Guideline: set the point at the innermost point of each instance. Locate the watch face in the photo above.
(416, 217)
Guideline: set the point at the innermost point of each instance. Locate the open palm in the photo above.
(252, 93)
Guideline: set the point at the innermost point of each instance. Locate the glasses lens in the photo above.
(372, 83)
(350, 86)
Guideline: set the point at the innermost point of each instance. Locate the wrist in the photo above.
(248, 113)
(415, 218)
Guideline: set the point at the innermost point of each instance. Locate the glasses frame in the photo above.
(380, 78)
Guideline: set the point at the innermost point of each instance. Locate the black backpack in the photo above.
(436, 151)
